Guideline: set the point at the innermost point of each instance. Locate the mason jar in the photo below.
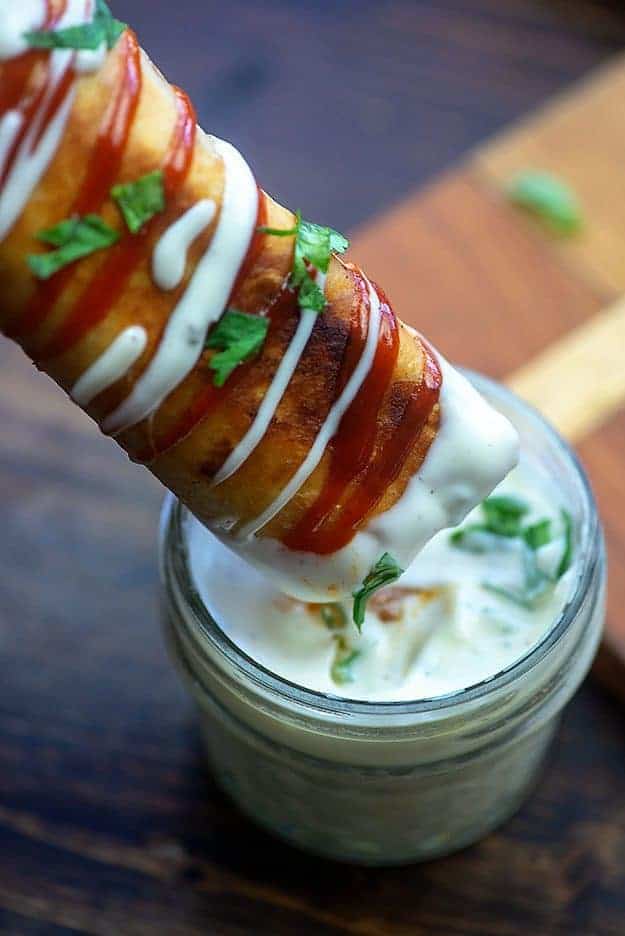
(382, 783)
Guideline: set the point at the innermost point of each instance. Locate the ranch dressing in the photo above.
(437, 631)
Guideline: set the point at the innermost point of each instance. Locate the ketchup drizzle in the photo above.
(354, 442)
(109, 281)
(256, 242)
(108, 150)
(59, 94)
(384, 470)
(211, 396)
(15, 89)
(55, 9)
(31, 66)
(110, 142)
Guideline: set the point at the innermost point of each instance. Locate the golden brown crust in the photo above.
(188, 467)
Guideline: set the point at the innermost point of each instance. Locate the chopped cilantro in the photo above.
(549, 198)
(385, 571)
(140, 200)
(74, 238)
(342, 668)
(333, 616)
(314, 245)
(280, 232)
(538, 534)
(504, 514)
(237, 337)
(103, 28)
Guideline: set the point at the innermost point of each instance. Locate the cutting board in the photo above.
(498, 292)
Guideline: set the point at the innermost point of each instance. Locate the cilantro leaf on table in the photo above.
(549, 198)
(536, 586)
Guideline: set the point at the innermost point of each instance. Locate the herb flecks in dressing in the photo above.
(436, 631)
(503, 529)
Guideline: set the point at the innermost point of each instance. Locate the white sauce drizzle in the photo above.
(330, 425)
(30, 164)
(10, 126)
(204, 299)
(77, 13)
(16, 18)
(111, 365)
(90, 60)
(276, 391)
(169, 259)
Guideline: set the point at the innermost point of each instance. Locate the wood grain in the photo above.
(580, 136)
(578, 382)
(463, 270)
(109, 823)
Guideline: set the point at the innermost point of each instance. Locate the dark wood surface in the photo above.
(109, 823)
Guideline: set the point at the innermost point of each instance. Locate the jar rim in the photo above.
(321, 703)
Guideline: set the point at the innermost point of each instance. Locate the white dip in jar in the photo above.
(459, 614)
(427, 730)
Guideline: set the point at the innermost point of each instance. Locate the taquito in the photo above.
(222, 340)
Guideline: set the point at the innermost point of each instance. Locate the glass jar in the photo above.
(389, 782)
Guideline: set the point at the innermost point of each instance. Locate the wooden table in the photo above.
(109, 823)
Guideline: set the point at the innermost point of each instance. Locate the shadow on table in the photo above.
(550, 870)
